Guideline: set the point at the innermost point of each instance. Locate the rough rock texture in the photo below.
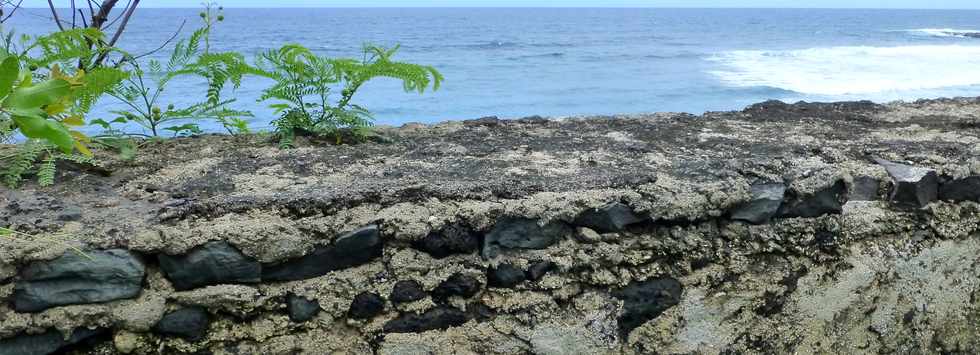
(832, 265)
(78, 277)
(213, 263)
(301, 309)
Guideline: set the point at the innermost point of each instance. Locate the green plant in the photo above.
(189, 57)
(305, 83)
(44, 102)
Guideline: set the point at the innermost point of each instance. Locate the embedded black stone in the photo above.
(521, 233)
(407, 291)
(914, 187)
(213, 263)
(301, 309)
(355, 248)
(864, 188)
(188, 323)
(457, 285)
(49, 342)
(828, 200)
(366, 305)
(436, 318)
(449, 241)
(765, 203)
(74, 278)
(959, 190)
(505, 276)
(537, 270)
(612, 217)
(646, 300)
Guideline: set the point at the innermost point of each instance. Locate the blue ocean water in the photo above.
(557, 62)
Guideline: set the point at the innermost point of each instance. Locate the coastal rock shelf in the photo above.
(805, 228)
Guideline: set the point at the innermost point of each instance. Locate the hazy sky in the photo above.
(916, 4)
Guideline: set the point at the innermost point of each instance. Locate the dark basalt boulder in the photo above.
(613, 217)
(457, 285)
(355, 248)
(914, 187)
(407, 291)
(864, 188)
(449, 241)
(538, 269)
(49, 342)
(765, 203)
(646, 300)
(188, 323)
(213, 263)
(301, 309)
(828, 200)
(959, 190)
(98, 276)
(366, 305)
(436, 318)
(505, 276)
(521, 233)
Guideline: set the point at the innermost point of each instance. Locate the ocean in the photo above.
(558, 62)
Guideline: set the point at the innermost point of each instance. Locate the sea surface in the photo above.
(560, 62)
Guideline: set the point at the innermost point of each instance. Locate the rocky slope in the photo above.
(805, 228)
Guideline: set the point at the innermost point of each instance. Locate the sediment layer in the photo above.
(806, 228)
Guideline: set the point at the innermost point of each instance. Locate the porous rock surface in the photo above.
(776, 229)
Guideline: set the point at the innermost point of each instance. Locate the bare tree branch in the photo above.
(129, 2)
(82, 16)
(55, 14)
(72, 13)
(134, 58)
(11, 13)
(100, 17)
(122, 27)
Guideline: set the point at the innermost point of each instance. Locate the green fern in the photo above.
(304, 84)
(20, 163)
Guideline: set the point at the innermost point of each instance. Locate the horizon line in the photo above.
(547, 7)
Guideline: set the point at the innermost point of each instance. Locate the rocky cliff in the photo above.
(807, 228)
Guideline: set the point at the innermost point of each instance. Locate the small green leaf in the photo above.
(38, 95)
(9, 71)
(41, 128)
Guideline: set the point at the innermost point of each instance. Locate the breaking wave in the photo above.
(852, 70)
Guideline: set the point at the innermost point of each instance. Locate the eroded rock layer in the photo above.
(808, 228)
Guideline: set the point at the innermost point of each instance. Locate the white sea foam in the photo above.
(853, 70)
(944, 32)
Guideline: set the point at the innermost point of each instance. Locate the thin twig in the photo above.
(118, 17)
(119, 31)
(14, 9)
(82, 16)
(55, 14)
(174, 36)
(72, 13)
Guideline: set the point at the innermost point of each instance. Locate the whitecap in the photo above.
(945, 32)
(852, 70)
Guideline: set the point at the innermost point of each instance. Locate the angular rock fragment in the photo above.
(828, 200)
(864, 188)
(457, 285)
(301, 309)
(49, 342)
(213, 263)
(505, 276)
(765, 203)
(538, 269)
(366, 305)
(435, 318)
(914, 187)
(355, 248)
(521, 233)
(646, 300)
(73, 278)
(188, 323)
(960, 190)
(407, 291)
(450, 241)
(613, 217)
